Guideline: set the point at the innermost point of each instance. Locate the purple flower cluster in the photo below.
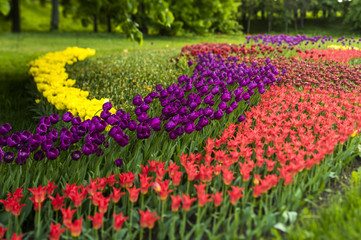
(48, 142)
(216, 88)
(297, 40)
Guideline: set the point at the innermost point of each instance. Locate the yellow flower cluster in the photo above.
(342, 47)
(52, 81)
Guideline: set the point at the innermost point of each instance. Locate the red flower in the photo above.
(203, 199)
(176, 178)
(176, 201)
(163, 193)
(97, 220)
(187, 202)
(235, 194)
(50, 188)
(70, 188)
(118, 221)
(103, 204)
(37, 206)
(16, 237)
(76, 227)
(192, 170)
(2, 231)
(67, 215)
(147, 219)
(16, 196)
(115, 195)
(57, 202)
(92, 188)
(17, 208)
(39, 193)
(8, 204)
(111, 180)
(126, 179)
(205, 173)
(76, 198)
(144, 183)
(133, 194)
(227, 176)
(160, 172)
(217, 199)
(96, 197)
(55, 231)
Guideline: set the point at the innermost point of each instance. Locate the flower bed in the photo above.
(288, 132)
(52, 81)
(246, 183)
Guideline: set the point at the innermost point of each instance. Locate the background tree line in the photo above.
(172, 17)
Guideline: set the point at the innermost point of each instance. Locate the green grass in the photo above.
(338, 220)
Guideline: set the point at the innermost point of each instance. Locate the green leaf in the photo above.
(280, 226)
(4, 7)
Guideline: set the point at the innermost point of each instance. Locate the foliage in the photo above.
(4, 7)
(353, 15)
(337, 219)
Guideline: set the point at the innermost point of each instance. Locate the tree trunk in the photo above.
(54, 24)
(303, 16)
(295, 16)
(15, 16)
(270, 18)
(109, 23)
(95, 23)
(249, 20)
(262, 15)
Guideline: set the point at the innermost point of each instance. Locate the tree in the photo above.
(353, 16)
(15, 16)
(54, 23)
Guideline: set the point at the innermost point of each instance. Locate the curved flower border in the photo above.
(52, 81)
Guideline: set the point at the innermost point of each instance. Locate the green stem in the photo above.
(163, 208)
(38, 224)
(150, 234)
(198, 220)
(214, 220)
(183, 226)
(130, 219)
(188, 183)
(17, 224)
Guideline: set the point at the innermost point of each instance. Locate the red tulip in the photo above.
(118, 221)
(147, 219)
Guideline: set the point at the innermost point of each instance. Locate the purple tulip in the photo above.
(76, 155)
(159, 88)
(13, 140)
(105, 114)
(5, 129)
(241, 118)
(118, 162)
(67, 117)
(41, 129)
(137, 100)
(107, 106)
(54, 118)
(39, 155)
(189, 127)
(52, 153)
(155, 124)
(132, 125)
(9, 157)
(88, 149)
